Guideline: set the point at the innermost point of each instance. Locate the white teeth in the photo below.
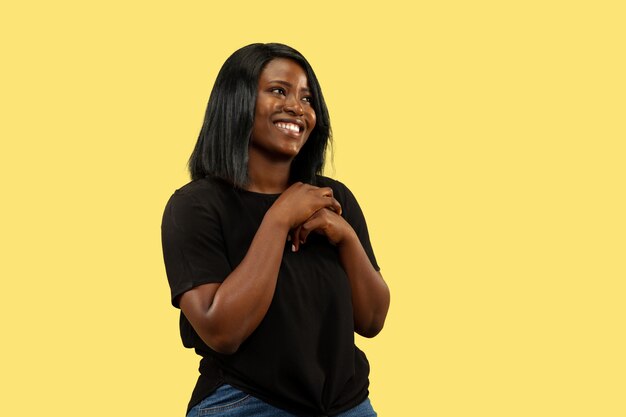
(289, 126)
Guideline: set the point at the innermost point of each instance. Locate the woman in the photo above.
(270, 262)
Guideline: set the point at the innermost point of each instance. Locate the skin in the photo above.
(225, 314)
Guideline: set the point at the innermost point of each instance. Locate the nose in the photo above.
(293, 106)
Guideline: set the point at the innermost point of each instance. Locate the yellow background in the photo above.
(484, 140)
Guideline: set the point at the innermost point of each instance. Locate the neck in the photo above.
(268, 177)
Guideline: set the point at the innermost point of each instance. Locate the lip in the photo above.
(298, 122)
(287, 132)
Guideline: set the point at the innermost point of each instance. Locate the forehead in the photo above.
(283, 69)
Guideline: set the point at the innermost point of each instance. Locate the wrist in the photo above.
(277, 221)
(349, 239)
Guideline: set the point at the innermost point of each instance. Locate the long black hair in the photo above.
(222, 147)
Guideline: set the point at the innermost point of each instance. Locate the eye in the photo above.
(308, 99)
(278, 90)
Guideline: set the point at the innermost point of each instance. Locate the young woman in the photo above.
(270, 262)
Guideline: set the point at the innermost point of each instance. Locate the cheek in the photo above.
(312, 120)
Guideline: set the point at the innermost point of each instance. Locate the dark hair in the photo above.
(222, 147)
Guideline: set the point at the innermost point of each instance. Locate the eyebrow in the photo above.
(288, 84)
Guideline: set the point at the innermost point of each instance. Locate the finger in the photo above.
(315, 223)
(326, 191)
(295, 239)
(330, 202)
(335, 206)
(308, 227)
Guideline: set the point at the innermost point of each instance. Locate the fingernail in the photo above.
(293, 248)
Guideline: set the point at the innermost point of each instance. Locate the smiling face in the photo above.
(283, 116)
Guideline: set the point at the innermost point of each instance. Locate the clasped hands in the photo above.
(307, 208)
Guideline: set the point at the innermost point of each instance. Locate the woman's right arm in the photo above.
(225, 314)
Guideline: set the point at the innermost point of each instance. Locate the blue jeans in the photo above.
(228, 401)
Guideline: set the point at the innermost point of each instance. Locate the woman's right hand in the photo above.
(300, 201)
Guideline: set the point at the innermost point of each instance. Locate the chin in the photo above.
(290, 152)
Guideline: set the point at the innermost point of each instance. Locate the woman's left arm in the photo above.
(370, 294)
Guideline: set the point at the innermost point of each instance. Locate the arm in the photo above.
(225, 314)
(370, 294)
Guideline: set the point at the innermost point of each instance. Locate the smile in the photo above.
(288, 127)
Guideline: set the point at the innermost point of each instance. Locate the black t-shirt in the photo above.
(302, 356)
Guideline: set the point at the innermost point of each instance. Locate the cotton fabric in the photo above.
(302, 357)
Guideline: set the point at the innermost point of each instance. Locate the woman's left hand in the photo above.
(325, 222)
(370, 294)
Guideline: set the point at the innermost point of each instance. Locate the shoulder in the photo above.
(336, 185)
(195, 199)
(202, 188)
(341, 192)
(203, 192)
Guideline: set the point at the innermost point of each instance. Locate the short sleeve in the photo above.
(193, 245)
(354, 215)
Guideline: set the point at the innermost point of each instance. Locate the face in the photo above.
(284, 116)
